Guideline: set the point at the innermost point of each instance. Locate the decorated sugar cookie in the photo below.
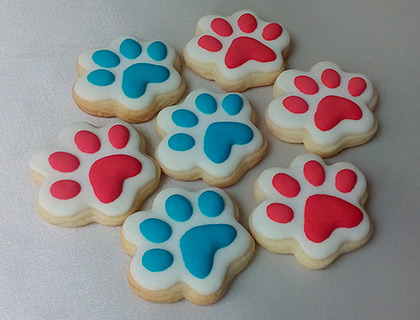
(238, 52)
(311, 210)
(326, 108)
(131, 79)
(189, 245)
(209, 136)
(93, 175)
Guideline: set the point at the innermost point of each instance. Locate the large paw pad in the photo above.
(209, 131)
(318, 206)
(92, 168)
(189, 237)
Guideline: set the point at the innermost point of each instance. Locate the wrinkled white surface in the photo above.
(48, 272)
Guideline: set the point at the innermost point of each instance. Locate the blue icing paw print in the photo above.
(221, 135)
(138, 74)
(198, 245)
(209, 136)
(187, 245)
(130, 79)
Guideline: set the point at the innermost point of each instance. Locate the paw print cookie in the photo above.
(238, 52)
(189, 245)
(311, 210)
(209, 136)
(131, 79)
(326, 108)
(93, 175)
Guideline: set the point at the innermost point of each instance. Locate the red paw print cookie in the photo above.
(326, 108)
(311, 210)
(93, 174)
(238, 52)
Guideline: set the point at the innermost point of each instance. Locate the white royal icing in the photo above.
(197, 53)
(182, 161)
(285, 119)
(268, 229)
(177, 272)
(87, 91)
(86, 198)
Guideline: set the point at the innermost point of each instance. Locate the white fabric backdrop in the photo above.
(47, 272)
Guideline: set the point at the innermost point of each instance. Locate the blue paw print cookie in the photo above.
(210, 136)
(190, 245)
(131, 79)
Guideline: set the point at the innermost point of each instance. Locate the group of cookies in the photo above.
(190, 244)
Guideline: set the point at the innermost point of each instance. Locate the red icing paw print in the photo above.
(106, 174)
(231, 50)
(323, 213)
(89, 167)
(242, 48)
(319, 206)
(331, 108)
(328, 103)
